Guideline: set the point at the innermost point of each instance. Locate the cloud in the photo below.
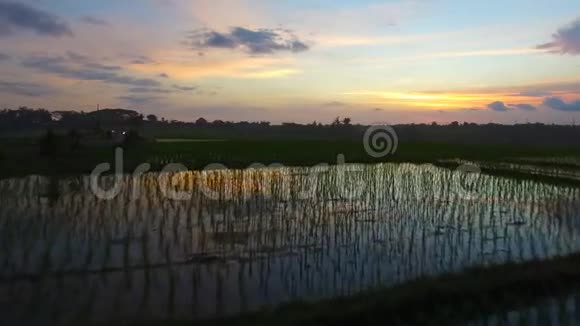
(185, 88)
(524, 107)
(153, 90)
(565, 41)
(244, 67)
(534, 93)
(88, 62)
(260, 41)
(528, 92)
(217, 40)
(163, 75)
(98, 66)
(73, 56)
(498, 106)
(18, 16)
(159, 90)
(139, 100)
(25, 89)
(79, 68)
(94, 21)
(268, 74)
(4, 57)
(142, 60)
(559, 104)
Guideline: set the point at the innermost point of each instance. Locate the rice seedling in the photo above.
(265, 239)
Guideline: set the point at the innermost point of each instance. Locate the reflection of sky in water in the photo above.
(269, 236)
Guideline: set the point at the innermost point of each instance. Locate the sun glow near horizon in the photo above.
(436, 100)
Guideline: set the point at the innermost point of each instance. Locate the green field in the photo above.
(21, 156)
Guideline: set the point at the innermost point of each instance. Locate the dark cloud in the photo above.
(217, 40)
(260, 41)
(498, 106)
(80, 68)
(94, 21)
(73, 56)
(524, 107)
(98, 66)
(4, 57)
(164, 75)
(559, 104)
(565, 41)
(502, 107)
(16, 16)
(159, 90)
(185, 88)
(25, 89)
(150, 90)
(87, 62)
(142, 60)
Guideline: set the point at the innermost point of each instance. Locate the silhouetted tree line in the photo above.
(26, 118)
(105, 120)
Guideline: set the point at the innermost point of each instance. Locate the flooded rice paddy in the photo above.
(195, 244)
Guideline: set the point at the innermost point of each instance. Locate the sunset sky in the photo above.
(375, 61)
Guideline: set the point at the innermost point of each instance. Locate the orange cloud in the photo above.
(270, 73)
(202, 67)
(436, 100)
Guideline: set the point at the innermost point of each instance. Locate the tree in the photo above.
(336, 122)
(152, 118)
(346, 121)
(201, 122)
(116, 115)
(24, 117)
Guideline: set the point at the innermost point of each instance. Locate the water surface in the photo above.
(239, 240)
